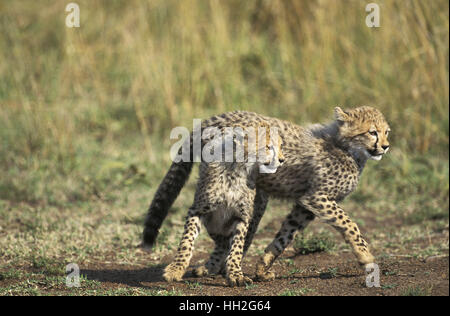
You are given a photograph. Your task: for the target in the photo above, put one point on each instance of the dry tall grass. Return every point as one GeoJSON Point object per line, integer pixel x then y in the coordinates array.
{"type": "Point", "coordinates": [146, 66]}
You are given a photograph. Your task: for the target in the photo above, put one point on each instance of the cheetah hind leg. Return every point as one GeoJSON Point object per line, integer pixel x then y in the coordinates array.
{"type": "Point", "coordinates": [297, 220]}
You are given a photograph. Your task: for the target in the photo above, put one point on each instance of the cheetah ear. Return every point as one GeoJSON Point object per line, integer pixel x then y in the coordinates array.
{"type": "Point", "coordinates": [340, 115]}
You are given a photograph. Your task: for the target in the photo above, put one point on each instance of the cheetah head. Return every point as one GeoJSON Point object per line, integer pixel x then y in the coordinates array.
{"type": "Point", "coordinates": [364, 130]}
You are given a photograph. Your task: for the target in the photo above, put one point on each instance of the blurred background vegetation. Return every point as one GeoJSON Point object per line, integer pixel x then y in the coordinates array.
{"type": "Point", "coordinates": [85, 113]}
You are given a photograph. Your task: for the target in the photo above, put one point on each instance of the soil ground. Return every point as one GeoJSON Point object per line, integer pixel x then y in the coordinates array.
{"type": "Point", "coordinates": [330, 272]}
{"type": "Point", "coordinates": [314, 274]}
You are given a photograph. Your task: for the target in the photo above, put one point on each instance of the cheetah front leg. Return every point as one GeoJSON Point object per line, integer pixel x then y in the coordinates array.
{"type": "Point", "coordinates": [260, 204]}
{"type": "Point", "coordinates": [176, 270]}
{"type": "Point", "coordinates": [330, 212]}
{"type": "Point", "coordinates": [235, 276]}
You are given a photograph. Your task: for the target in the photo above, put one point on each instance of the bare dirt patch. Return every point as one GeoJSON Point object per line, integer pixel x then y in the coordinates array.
{"type": "Point", "coordinates": [314, 274]}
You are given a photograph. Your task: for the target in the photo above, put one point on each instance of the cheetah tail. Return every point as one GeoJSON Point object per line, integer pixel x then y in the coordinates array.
{"type": "Point", "coordinates": [166, 194]}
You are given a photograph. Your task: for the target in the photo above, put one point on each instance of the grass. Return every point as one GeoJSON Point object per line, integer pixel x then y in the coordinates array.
{"type": "Point", "coordinates": [297, 292]}
{"type": "Point", "coordinates": [417, 291]}
{"type": "Point", "coordinates": [11, 274]}
{"type": "Point", "coordinates": [37, 285]}
{"type": "Point", "coordinates": [389, 286]}
{"type": "Point", "coordinates": [316, 243]}
{"type": "Point", "coordinates": [331, 273]}
{"type": "Point", "coordinates": [86, 114]}
{"type": "Point", "coordinates": [194, 285]}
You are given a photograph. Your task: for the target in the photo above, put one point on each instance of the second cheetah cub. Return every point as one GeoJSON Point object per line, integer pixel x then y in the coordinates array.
{"type": "Point", "coordinates": [224, 201]}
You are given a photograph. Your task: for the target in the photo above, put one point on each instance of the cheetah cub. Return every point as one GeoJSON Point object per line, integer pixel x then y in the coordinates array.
{"type": "Point", "coordinates": [224, 201]}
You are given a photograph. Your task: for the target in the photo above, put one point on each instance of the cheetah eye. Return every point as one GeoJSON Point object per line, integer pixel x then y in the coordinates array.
{"type": "Point", "coordinates": [373, 133]}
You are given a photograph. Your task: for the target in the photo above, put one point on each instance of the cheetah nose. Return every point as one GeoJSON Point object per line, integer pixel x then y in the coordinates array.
{"type": "Point", "coordinates": [385, 147]}
{"type": "Point", "coordinates": [281, 160]}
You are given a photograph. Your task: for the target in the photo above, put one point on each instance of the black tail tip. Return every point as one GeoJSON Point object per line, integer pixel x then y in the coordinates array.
{"type": "Point", "coordinates": [149, 238]}
{"type": "Point", "coordinates": [145, 247]}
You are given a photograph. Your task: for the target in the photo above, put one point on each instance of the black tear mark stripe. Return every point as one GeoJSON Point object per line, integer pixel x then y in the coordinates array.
{"type": "Point", "coordinates": [376, 143]}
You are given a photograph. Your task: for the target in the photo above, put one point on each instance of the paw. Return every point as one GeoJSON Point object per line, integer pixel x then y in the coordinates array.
{"type": "Point", "coordinates": [209, 269]}
{"type": "Point", "coordinates": [200, 271]}
{"type": "Point", "coordinates": [263, 275]}
{"type": "Point", "coordinates": [238, 279]}
{"type": "Point", "coordinates": [173, 273]}
{"type": "Point", "coordinates": [365, 258]}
